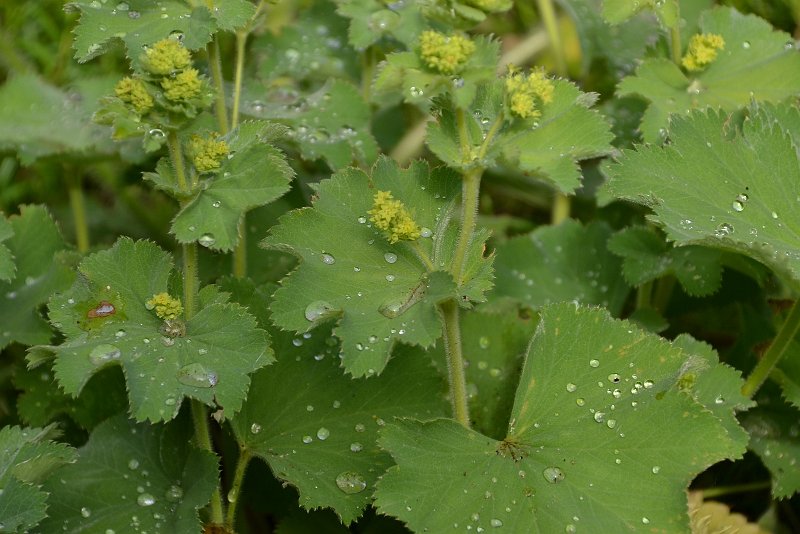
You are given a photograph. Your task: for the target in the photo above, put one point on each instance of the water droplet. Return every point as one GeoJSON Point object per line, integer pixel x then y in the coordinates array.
{"type": "Point", "coordinates": [327, 259]}
{"type": "Point", "coordinates": [232, 495]}
{"type": "Point", "coordinates": [648, 384]}
{"type": "Point", "coordinates": [356, 447]}
{"type": "Point", "coordinates": [174, 493]}
{"type": "Point", "coordinates": [599, 416]}
{"type": "Point", "coordinates": [390, 257]}
{"type": "Point", "coordinates": [496, 523]}
{"type": "Point", "coordinates": [104, 353]}
{"type": "Point", "coordinates": [145, 499]}
{"type": "Point", "coordinates": [307, 439]}
{"type": "Point", "coordinates": [207, 240]}
{"type": "Point", "coordinates": [133, 464]}
{"type": "Point", "coordinates": [425, 232]}
{"type": "Point", "coordinates": [318, 309]}
{"type": "Point", "coordinates": [615, 378]}
{"type": "Point", "coordinates": [645, 521]}
{"type": "Point", "coordinates": [391, 309]}
{"type": "Point", "coordinates": [323, 433]}
{"type": "Point", "coordinates": [123, 6]}
{"type": "Point", "coordinates": [723, 230]}
{"type": "Point", "coordinates": [390, 278]}
{"type": "Point", "coordinates": [570, 529]}
{"type": "Point", "coordinates": [571, 387]}
{"type": "Point", "coordinates": [255, 428]}
{"type": "Point", "coordinates": [580, 401]}
{"type": "Point", "coordinates": [156, 133]}
{"type": "Point", "coordinates": [197, 375]}
{"type": "Point", "coordinates": [719, 400]}
{"type": "Point", "coordinates": [85, 512]}
{"type": "Point", "coordinates": [360, 427]}
{"type": "Point", "coordinates": [553, 474]}
{"type": "Point", "coordinates": [746, 45]}
{"type": "Point", "coordinates": [594, 363]}
{"type": "Point", "coordinates": [216, 204]}
{"type": "Point", "coordinates": [351, 482]}
{"type": "Point", "coordinates": [119, 334]}
{"type": "Point", "coordinates": [416, 92]}
{"type": "Point", "coordinates": [656, 469]}
{"type": "Point", "coordinates": [611, 423]}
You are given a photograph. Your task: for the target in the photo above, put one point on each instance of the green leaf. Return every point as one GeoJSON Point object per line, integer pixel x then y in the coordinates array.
{"type": "Point", "coordinates": [140, 23]}
{"type": "Point", "coordinates": [333, 123]}
{"type": "Point", "coordinates": [569, 262]}
{"type": "Point", "coordinates": [616, 11]}
{"type": "Point", "coordinates": [27, 458]}
{"type": "Point", "coordinates": [720, 187]}
{"type": "Point", "coordinates": [231, 15]}
{"type": "Point", "coordinates": [43, 267]}
{"type": "Point", "coordinates": [757, 63]}
{"type": "Point", "coordinates": [255, 175]}
{"type": "Point", "coordinates": [787, 374]}
{"type": "Point", "coordinates": [210, 362]}
{"type": "Point", "coordinates": [775, 438]}
{"type": "Point", "coordinates": [132, 477]}
{"type": "Point", "coordinates": [374, 20]}
{"type": "Point", "coordinates": [7, 268]}
{"type": "Point", "coordinates": [317, 428]}
{"type": "Point", "coordinates": [39, 120]}
{"type": "Point", "coordinates": [598, 414]}
{"type": "Point", "coordinates": [647, 257]}
{"type": "Point", "coordinates": [381, 293]}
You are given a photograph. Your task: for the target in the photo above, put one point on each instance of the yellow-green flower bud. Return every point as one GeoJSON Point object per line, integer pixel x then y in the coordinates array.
{"type": "Point", "coordinates": [166, 307]}
{"type": "Point", "coordinates": [207, 153]}
{"type": "Point", "coordinates": [527, 94]}
{"type": "Point", "coordinates": [165, 57]}
{"type": "Point", "coordinates": [445, 53]}
{"type": "Point", "coordinates": [183, 86]}
{"type": "Point", "coordinates": [134, 92]}
{"type": "Point", "coordinates": [393, 218]}
{"type": "Point", "coordinates": [702, 51]}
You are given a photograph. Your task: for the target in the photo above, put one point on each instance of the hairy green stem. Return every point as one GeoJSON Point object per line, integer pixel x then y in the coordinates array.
{"type": "Point", "coordinates": [644, 296]}
{"type": "Point", "coordinates": [234, 492]}
{"type": "Point", "coordinates": [176, 156]}
{"type": "Point", "coordinates": [774, 353]}
{"type": "Point", "coordinates": [720, 491]}
{"type": "Point", "coordinates": [463, 134]}
{"type": "Point", "coordinates": [202, 438]}
{"type": "Point", "coordinates": [241, 42]}
{"type": "Point", "coordinates": [219, 85]}
{"type": "Point", "coordinates": [78, 208]}
{"type": "Point", "coordinates": [240, 252]}
{"type": "Point", "coordinates": [561, 208]}
{"type": "Point", "coordinates": [367, 72]}
{"type": "Point", "coordinates": [548, 14]}
{"type": "Point", "coordinates": [449, 314]}
{"type": "Point", "coordinates": [470, 196]}
{"type": "Point", "coordinates": [663, 293]}
{"type": "Point", "coordinates": [675, 42]}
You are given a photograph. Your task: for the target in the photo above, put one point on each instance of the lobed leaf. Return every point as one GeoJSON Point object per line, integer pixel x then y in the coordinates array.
{"type": "Point", "coordinates": [256, 174]}
{"type": "Point", "coordinates": [381, 293]}
{"type": "Point", "coordinates": [592, 421]}
{"type": "Point", "coordinates": [131, 477]}
{"type": "Point", "coordinates": [317, 428]}
{"type": "Point", "coordinates": [210, 362]}
{"type": "Point", "coordinates": [8, 269]}
{"type": "Point", "coordinates": [43, 267]}
{"type": "Point", "coordinates": [616, 11]}
{"type": "Point", "coordinates": [758, 63]}
{"type": "Point", "coordinates": [720, 187]}
{"type": "Point", "coordinates": [569, 262]}
{"type": "Point", "coordinates": [373, 20]}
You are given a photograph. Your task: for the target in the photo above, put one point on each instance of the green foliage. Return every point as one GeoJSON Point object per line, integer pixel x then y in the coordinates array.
{"type": "Point", "coordinates": [207, 357]}
{"type": "Point", "coordinates": [616, 11]}
{"type": "Point", "coordinates": [585, 426]}
{"type": "Point", "coordinates": [757, 63]}
{"type": "Point", "coordinates": [146, 477]}
{"type": "Point", "coordinates": [7, 268]}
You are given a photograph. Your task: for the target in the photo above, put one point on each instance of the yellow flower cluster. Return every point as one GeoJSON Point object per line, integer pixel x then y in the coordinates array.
{"type": "Point", "coordinates": [702, 50]}
{"type": "Point", "coordinates": [182, 87]}
{"type": "Point", "coordinates": [445, 53]}
{"type": "Point", "coordinates": [165, 57]}
{"type": "Point", "coordinates": [134, 92]}
{"type": "Point", "coordinates": [207, 153]}
{"type": "Point", "coordinates": [527, 94]}
{"type": "Point", "coordinates": [393, 218]}
{"type": "Point", "coordinates": [166, 307]}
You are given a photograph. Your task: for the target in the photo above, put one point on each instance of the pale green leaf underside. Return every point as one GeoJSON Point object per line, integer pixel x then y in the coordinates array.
{"type": "Point", "coordinates": [757, 63]}
{"type": "Point", "coordinates": [349, 268]}
{"type": "Point", "coordinates": [568, 262]}
{"type": "Point", "coordinates": [775, 438]}
{"type": "Point", "coordinates": [210, 363]}
{"type": "Point", "coordinates": [132, 478]}
{"type": "Point", "coordinates": [597, 415]}
{"type": "Point", "coordinates": [137, 23]}
{"type": "Point", "coordinates": [42, 269]}
{"type": "Point", "coordinates": [705, 188]}
{"type": "Point", "coordinates": [311, 423]}
{"type": "Point", "coordinates": [255, 175]}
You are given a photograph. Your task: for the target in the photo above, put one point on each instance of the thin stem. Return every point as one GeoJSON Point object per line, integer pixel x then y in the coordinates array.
{"type": "Point", "coordinates": [240, 252]}
{"type": "Point", "coordinates": [644, 296]}
{"type": "Point", "coordinates": [720, 491]}
{"type": "Point", "coordinates": [470, 193]}
{"type": "Point", "coordinates": [663, 293]}
{"type": "Point", "coordinates": [219, 85]}
{"type": "Point", "coordinates": [203, 440]}
{"type": "Point", "coordinates": [774, 353]}
{"type": "Point", "coordinates": [233, 494]}
{"type": "Point", "coordinates": [78, 207]}
{"type": "Point", "coordinates": [421, 255]}
{"type": "Point", "coordinates": [449, 314]}
{"type": "Point", "coordinates": [367, 70]}
{"type": "Point", "coordinates": [176, 155]}
{"type": "Point", "coordinates": [561, 208]}
{"type": "Point", "coordinates": [675, 42]}
{"type": "Point", "coordinates": [411, 143]}
{"type": "Point", "coordinates": [241, 41]}
{"type": "Point", "coordinates": [548, 13]}
{"type": "Point", "coordinates": [190, 279]}
{"type": "Point", "coordinates": [463, 134]}
{"type": "Point", "coordinates": [520, 53]}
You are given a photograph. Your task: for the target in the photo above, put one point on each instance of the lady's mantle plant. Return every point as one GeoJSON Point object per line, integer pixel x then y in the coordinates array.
{"type": "Point", "coordinates": [338, 307]}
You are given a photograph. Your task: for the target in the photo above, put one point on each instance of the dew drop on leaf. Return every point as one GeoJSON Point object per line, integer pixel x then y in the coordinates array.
{"type": "Point", "coordinates": [356, 447]}
{"type": "Point", "coordinates": [350, 482]}
{"type": "Point", "coordinates": [255, 428]}
{"type": "Point", "coordinates": [317, 309]}
{"type": "Point", "coordinates": [197, 375]}
{"type": "Point", "coordinates": [553, 475]}
{"type": "Point", "coordinates": [85, 512]}
{"type": "Point", "coordinates": [327, 259]}
{"type": "Point", "coordinates": [174, 493]}
{"type": "Point", "coordinates": [207, 240]}
{"type": "Point", "coordinates": [145, 499]}
{"type": "Point", "coordinates": [307, 439]}
{"type": "Point", "coordinates": [496, 523]}
{"type": "Point", "coordinates": [425, 232]}
{"type": "Point", "coordinates": [390, 257]}
{"type": "Point", "coordinates": [104, 353]}
{"type": "Point", "coordinates": [323, 433]}
{"type": "Point", "coordinates": [594, 363]}
{"type": "Point", "coordinates": [391, 308]}
{"type": "Point", "coordinates": [571, 387]}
